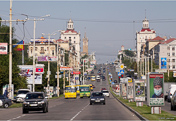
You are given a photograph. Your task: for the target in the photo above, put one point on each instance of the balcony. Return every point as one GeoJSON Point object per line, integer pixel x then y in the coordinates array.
{"type": "Point", "coordinates": [42, 52]}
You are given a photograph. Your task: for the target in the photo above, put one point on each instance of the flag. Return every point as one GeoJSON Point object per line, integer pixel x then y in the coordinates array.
{"type": "Point", "coordinates": [19, 46]}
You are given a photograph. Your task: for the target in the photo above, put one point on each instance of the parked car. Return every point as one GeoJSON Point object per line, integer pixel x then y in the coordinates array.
{"type": "Point", "coordinates": [103, 88]}
{"type": "Point", "coordinates": [98, 77]}
{"type": "Point", "coordinates": [173, 100]}
{"type": "Point", "coordinates": [35, 101]}
{"type": "Point", "coordinates": [21, 95]}
{"type": "Point", "coordinates": [5, 102]}
{"type": "Point", "coordinates": [170, 92]}
{"type": "Point", "coordinates": [105, 93]}
{"type": "Point", "coordinates": [97, 97]}
{"type": "Point", "coordinates": [115, 81]}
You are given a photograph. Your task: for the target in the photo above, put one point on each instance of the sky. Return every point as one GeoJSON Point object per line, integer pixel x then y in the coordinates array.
{"type": "Point", "coordinates": [108, 24]}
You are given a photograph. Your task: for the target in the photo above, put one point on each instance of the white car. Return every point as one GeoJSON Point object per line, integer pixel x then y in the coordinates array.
{"type": "Point", "coordinates": [21, 94]}
{"type": "Point", "coordinates": [105, 93]}
{"type": "Point", "coordinates": [98, 77]}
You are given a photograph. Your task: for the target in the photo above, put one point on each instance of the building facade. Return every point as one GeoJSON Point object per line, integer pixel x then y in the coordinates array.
{"type": "Point", "coordinates": [74, 39]}
{"type": "Point", "coordinates": [142, 36]}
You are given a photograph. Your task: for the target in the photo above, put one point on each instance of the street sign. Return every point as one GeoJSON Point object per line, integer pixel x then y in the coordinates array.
{"type": "Point", "coordinates": [119, 74]}
{"type": "Point", "coordinates": [66, 68]}
{"type": "Point", "coordinates": [122, 66]}
{"type": "Point", "coordinates": [122, 71]}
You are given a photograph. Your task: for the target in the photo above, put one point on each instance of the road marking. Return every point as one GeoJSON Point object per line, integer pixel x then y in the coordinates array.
{"type": "Point", "coordinates": [16, 117]}
{"type": "Point", "coordinates": [78, 113]}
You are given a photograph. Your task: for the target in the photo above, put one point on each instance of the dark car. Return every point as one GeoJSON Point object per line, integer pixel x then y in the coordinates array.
{"type": "Point", "coordinates": [5, 102]}
{"type": "Point", "coordinates": [115, 81]}
{"type": "Point", "coordinates": [103, 78]}
{"type": "Point", "coordinates": [93, 86]}
{"type": "Point", "coordinates": [97, 97]}
{"type": "Point", "coordinates": [35, 101]}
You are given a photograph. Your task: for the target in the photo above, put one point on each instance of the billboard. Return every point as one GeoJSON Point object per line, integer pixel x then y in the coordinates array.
{"type": "Point", "coordinates": [163, 63]}
{"type": "Point", "coordinates": [27, 71]}
{"type": "Point", "coordinates": [66, 68]}
{"type": "Point", "coordinates": [46, 58]}
{"type": "Point", "coordinates": [155, 89]}
{"type": "Point", "coordinates": [124, 89]}
{"type": "Point", "coordinates": [130, 90]}
{"type": "Point", "coordinates": [3, 48]}
{"type": "Point", "coordinates": [139, 90]}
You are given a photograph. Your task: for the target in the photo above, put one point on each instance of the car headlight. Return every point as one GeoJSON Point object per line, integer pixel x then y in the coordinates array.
{"type": "Point", "coordinates": [92, 99]}
{"type": "Point", "coordinates": [42, 102]}
{"type": "Point", "coordinates": [25, 102]}
{"type": "Point", "coordinates": [101, 98]}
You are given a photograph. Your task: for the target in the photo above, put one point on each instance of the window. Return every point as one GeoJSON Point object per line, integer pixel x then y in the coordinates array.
{"type": "Point", "coordinates": [35, 48]}
{"type": "Point", "coordinates": [74, 37]}
{"type": "Point", "coordinates": [65, 37]}
{"type": "Point", "coordinates": [173, 60]}
{"type": "Point", "coordinates": [168, 48]}
{"type": "Point", "coordinates": [53, 52]}
{"type": "Point", "coordinates": [173, 66]}
{"type": "Point", "coordinates": [173, 48]}
{"type": "Point", "coordinates": [74, 41]}
{"type": "Point", "coordinates": [48, 48]}
{"type": "Point", "coordinates": [42, 48]}
{"type": "Point", "coordinates": [173, 54]}
{"type": "Point", "coordinates": [31, 49]}
{"type": "Point", "coordinates": [168, 54]}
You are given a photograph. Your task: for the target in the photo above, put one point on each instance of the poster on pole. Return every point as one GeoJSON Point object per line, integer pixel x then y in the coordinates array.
{"type": "Point", "coordinates": [139, 90]}
{"type": "Point", "coordinates": [163, 63]}
{"type": "Point", "coordinates": [3, 48]}
{"type": "Point", "coordinates": [129, 90]}
{"type": "Point", "coordinates": [155, 89]}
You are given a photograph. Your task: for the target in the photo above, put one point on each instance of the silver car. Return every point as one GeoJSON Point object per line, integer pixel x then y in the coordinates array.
{"type": "Point", "coordinates": [173, 101]}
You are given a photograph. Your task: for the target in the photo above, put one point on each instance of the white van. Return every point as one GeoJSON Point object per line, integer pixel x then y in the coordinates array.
{"type": "Point", "coordinates": [171, 92]}
{"type": "Point", "coordinates": [21, 94]}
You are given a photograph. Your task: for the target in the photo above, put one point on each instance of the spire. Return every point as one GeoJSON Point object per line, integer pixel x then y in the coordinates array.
{"type": "Point", "coordinates": [145, 22]}
{"type": "Point", "coordinates": [70, 25]}
{"type": "Point", "coordinates": [85, 33]}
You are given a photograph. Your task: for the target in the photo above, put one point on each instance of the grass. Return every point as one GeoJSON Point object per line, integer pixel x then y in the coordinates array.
{"type": "Point", "coordinates": [145, 110]}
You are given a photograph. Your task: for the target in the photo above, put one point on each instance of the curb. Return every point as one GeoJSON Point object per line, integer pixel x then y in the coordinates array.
{"type": "Point", "coordinates": [136, 113]}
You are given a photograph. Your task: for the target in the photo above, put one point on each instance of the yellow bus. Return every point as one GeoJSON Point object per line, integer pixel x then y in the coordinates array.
{"type": "Point", "coordinates": [70, 91]}
{"type": "Point", "coordinates": [84, 91]}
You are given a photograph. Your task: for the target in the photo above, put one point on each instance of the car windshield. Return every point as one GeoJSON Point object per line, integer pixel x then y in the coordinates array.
{"type": "Point", "coordinates": [22, 92]}
{"type": "Point", "coordinates": [34, 96]}
{"type": "Point", "coordinates": [70, 89]}
{"type": "Point", "coordinates": [105, 91]}
{"type": "Point", "coordinates": [84, 89]}
{"type": "Point", "coordinates": [96, 94]}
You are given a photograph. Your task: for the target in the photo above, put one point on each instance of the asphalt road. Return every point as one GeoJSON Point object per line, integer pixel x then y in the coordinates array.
{"type": "Point", "coordinates": [74, 109]}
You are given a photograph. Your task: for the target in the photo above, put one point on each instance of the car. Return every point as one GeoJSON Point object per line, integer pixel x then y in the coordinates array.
{"type": "Point", "coordinates": [97, 97]}
{"type": "Point", "coordinates": [173, 100]}
{"type": "Point", "coordinates": [5, 102]}
{"type": "Point", "coordinates": [21, 94]}
{"type": "Point", "coordinates": [98, 80]}
{"type": "Point", "coordinates": [103, 78]}
{"type": "Point", "coordinates": [35, 101]}
{"type": "Point", "coordinates": [93, 86]}
{"type": "Point", "coordinates": [98, 77]}
{"type": "Point", "coordinates": [103, 88]}
{"type": "Point", "coordinates": [115, 81]}
{"type": "Point", "coordinates": [105, 93]}
{"type": "Point", "coordinates": [170, 92]}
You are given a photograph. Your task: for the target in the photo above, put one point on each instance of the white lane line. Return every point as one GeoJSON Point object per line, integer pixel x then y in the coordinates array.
{"type": "Point", "coordinates": [16, 117]}
{"type": "Point", "coordinates": [78, 113]}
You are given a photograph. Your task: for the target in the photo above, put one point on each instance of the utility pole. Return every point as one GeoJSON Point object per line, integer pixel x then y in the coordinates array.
{"type": "Point", "coordinates": [58, 58]}
{"type": "Point", "coordinates": [10, 48]}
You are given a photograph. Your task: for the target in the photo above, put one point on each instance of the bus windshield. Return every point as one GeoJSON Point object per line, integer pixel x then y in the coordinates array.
{"type": "Point", "coordinates": [70, 89]}
{"type": "Point", "coordinates": [84, 89]}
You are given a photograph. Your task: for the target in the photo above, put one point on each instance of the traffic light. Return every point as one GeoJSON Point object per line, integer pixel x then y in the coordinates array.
{"type": "Point", "coordinates": [122, 75]}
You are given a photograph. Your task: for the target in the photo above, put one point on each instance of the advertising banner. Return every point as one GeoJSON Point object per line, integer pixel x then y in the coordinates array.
{"type": "Point", "coordinates": [130, 90]}
{"type": "Point", "coordinates": [46, 58]}
{"type": "Point", "coordinates": [3, 48]}
{"type": "Point", "coordinates": [174, 73]}
{"type": "Point", "coordinates": [124, 89]}
{"type": "Point", "coordinates": [66, 68]}
{"type": "Point", "coordinates": [139, 90]}
{"type": "Point", "coordinates": [163, 63]}
{"type": "Point", "coordinates": [27, 71]}
{"type": "Point", "coordinates": [155, 89]}
{"type": "Point", "coordinates": [118, 88]}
